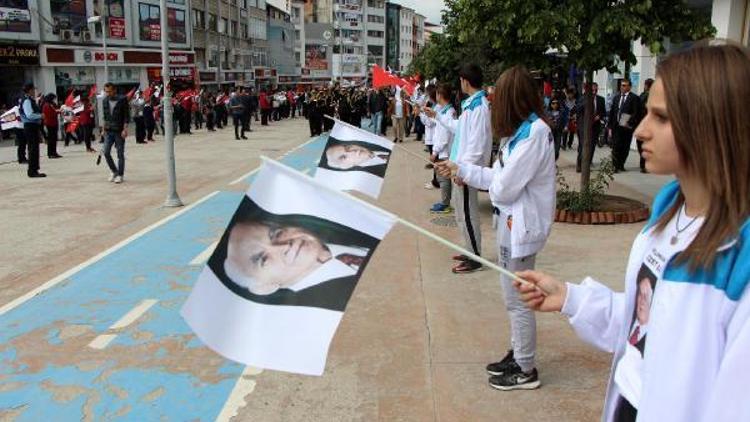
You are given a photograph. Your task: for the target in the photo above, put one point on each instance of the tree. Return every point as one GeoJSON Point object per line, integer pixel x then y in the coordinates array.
{"type": "Point", "coordinates": [590, 34]}
{"type": "Point", "coordinates": [444, 54]}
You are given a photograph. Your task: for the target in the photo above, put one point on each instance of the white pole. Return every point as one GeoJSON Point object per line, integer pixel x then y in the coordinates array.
{"type": "Point", "coordinates": [173, 200]}
{"type": "Point", "coordinates": [105, 18]}
{"type": "Point", "coordinates": [406, 223]}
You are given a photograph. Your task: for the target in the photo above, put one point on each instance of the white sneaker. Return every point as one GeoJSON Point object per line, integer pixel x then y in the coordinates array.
{"type": "Point", "coordinates": [429, 186]}
{"type": "Point", "coordinates": [118, 179]}
{"type": "Point", "coordinates": [112, 177]}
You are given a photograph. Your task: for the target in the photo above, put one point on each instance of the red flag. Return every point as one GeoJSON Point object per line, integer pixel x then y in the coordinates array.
{"type": "Point", "coordinates": [92, 91]}
{"type": "Point", "coordinates": [131, 93]}
{"type": "Point", "coordinates": [381, 78]}
{"type": "Point", "coordinates": [148, 92]}
{"type": "Point", "coordinates": [70, 100]}
{"type": "Point", "coordinates": [72, 126]}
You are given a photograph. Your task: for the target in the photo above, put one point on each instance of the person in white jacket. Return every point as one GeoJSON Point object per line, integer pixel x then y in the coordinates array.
{"type": "Point", "coordinates": [472, 144]}
{"type": "Point", "coordinates": [680, 332]}
{"type": "Point", "coordinates": [442, 138]}
{"type": "Point", "coordinates": [429, 129]}
{"type": "Point", "coordinates": [521, 184]}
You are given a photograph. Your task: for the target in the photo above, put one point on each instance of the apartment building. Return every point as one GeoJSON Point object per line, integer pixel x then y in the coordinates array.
{"type": "Point", "coordinates": [375, 26]}
{"type": "Point", "coordinates": [52, 44]}
{"type": "Point", "coordinates": [229, 40]}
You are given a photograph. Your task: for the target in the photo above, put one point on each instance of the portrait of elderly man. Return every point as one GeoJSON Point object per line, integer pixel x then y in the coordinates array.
{"type": "Point", "coordinates": [355, 156]}
{"type": "Point", "coordinates": [296, 260]}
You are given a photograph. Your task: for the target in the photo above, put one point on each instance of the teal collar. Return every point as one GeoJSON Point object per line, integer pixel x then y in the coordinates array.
{"type": "Point", "coordinates": [477, 95]}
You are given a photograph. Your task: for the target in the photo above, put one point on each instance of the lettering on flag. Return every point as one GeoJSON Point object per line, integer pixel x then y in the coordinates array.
{"type": "Point", "coordinates": [276, 287]}
{"type": "Point", "coordinates": [354, 159]}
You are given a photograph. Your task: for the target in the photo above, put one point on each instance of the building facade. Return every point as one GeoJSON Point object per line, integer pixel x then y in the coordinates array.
{"type": "Point", "coordinates": [350, 44]}
{"type": "Point", "coordinates": [418, 33]}
{"type": "Point", "coordinates": [375, 25]}
{"type": "Point", "coordinates": [54, 45]}
{"type": "Point", "coordinates": [407, 39]}
{"type": "Point", "coordinates": [393, 31]}
{"type": "Point", "coordinates": [228, 44]}
{"type": "Point", "coordinates": [281, 40]}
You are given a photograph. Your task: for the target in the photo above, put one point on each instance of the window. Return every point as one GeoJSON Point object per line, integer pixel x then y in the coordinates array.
{"type": "Point", "coordinates": [234, 29]}
{"type": "Point", "coordinates": [199, 19]}
{"type": "Point", "coordinates": [244, 33]}
{"type": "Point", "coordinates": [375, 34]}
{"type": "Point", "coordinates": [149, 21]}
{"type": "Point", "coordinates": [212, 22]}
{"type": "Point", "coordinates": [66, 17]}
{"type": "Point", "coordinates": [223, 24]}
{"type": "Point", "coordinates": [375, 19]}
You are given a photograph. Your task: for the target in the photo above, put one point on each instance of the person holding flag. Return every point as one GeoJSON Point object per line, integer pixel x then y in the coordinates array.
{"type": "Point", "coordinates": [521, 184]}
{"type": "Point", "coordinates": [472, 145]}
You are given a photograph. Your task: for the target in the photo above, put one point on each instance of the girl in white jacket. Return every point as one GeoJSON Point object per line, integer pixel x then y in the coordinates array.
{"type": "Point", "coordinates": [521, 184]}
{"type": "Point", "coordinates": [680, 333]}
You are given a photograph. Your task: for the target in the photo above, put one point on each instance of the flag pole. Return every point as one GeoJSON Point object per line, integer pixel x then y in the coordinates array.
{"type": "Point", "coordinates": [404, 222]}
{"type": "Point", "coordinates": [406, 150]}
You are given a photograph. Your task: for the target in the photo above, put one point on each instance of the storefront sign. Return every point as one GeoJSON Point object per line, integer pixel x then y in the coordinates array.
{"type": "Point", "coordinates": [17, 55]}
{"type": "Point", "coordinates": [207, 76]}
{"type": "Point", "coordinates": [182, 73]}
{"type": "Point", "coordinates": [316, 57]}
{"type": "Point", "coordinates": [180, 58]}
{"type": "Point", "coordinates": [15, 16]}
{"type": "Point", "coordinates": [97, 56]}
{"type": "Point", "coordinates": [117, 28]}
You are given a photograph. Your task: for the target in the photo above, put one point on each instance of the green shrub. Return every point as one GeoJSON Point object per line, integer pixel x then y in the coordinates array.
{"type": "Point", "coordinates": [588, 199]}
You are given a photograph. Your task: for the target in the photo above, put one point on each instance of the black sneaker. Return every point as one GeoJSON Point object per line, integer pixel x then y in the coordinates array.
{"type": "Point", "coordinates": [498, 368]}
{"type": "Point", "coordinates": [516, 379]}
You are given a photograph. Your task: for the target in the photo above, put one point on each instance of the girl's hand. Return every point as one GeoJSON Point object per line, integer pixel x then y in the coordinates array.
{"type": "Point", "coordinates": [446, 168]}
{"type": "Point", "coordinates": [544, 293]}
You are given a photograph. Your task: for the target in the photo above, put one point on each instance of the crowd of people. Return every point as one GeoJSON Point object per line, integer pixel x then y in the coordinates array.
{"type": "Point", "coordinates": [44, 119]}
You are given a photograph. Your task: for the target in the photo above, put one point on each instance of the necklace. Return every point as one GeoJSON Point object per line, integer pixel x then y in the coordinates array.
{"type": "Point", "coordinates": [675, 238]}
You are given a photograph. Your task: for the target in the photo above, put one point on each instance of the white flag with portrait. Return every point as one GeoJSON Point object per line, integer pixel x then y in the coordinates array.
{"type": "Point", "coordinates": [276, 287]}
{"type": "Point", "coordinates": [11, 119]}
{"type": "Point", "coordinates": [354, 159]}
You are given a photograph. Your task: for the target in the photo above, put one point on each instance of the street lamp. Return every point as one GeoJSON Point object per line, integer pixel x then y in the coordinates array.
{"type": "Point", "coordinates": [93, 20]}
{"type": "Point", "coordinates": [173, 200]}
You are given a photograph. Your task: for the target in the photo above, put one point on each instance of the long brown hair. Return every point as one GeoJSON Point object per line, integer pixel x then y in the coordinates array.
{"type": "Point", "coordinates": [706, 91]}
{"type": "Point", "coordinates": [516, 97]}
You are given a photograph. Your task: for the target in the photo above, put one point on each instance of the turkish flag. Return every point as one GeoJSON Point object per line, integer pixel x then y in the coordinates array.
{"type": "Point", "coordinates": [131, 93]}
{"type": "Point", "coordinates": [92, 91]}
{"type": "Point", "coordinates": [381, 78]}
{"type": "Point", "coordinates": [70, 100]}
{"type": "Point", "coordinates": [73, 125]}
{"type": "Point", "coordinates": [148, 92]}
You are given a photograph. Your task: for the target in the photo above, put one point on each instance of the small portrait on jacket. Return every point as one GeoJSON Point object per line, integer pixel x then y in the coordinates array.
{"type": "Point", "coordinates": [642, 309]}
{"type": "Point", "coordinates": [296, 260]}
{"type": "Point", "coordinates": [352, 155]}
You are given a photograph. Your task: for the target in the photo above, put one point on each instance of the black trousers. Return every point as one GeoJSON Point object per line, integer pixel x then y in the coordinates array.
{"type": "Point", "coordinates": [140, 129]}
{"type": "Point", "coordinates": [239, 128]}
{"type": "Point", "coordinates": [20, 145]}
{"type": "Point", "coordinates": [621, 138]}
{"type": "Point", "coordinates": [264, 116]}
{"type": "Point", "coordinates": [52, 137]}
{"type": "Point", "coordinates": [31, 132]}
{"type": "Point", "coordinates": [198, 119]}
{"type": "Point", "coordinates": [210, 120]}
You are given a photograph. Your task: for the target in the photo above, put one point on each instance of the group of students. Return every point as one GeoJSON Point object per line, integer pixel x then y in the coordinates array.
{"type": "Point", "coordinates": [680, 331]}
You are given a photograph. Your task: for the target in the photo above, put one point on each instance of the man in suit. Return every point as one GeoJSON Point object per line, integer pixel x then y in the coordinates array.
{"type": "Point", "coordinates": [599, 113]}
{"type": "Point", "coordinates": [624, 116]}
{"type": "Point", "coordinates": [274, 263]}
{"type": "Point", "coordinates": [347, 155]}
